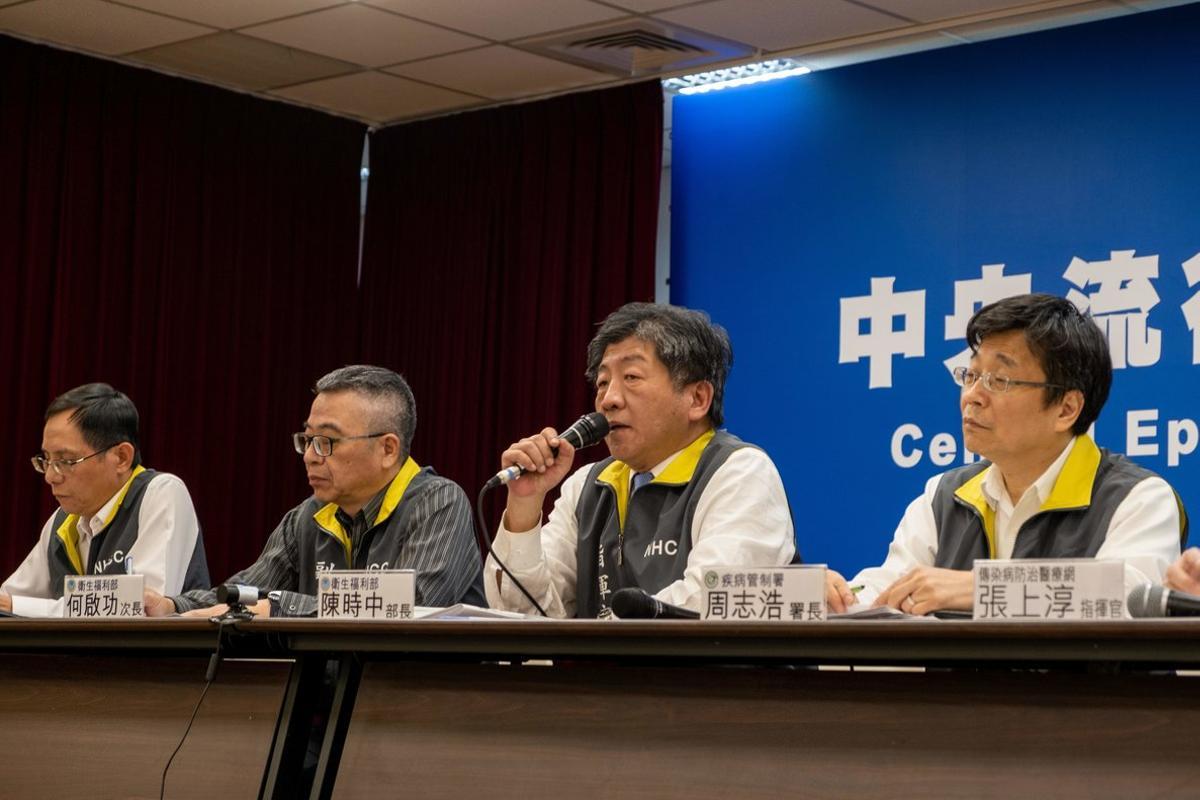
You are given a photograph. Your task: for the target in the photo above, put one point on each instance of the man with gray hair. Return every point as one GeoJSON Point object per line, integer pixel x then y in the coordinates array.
{"type": "Point", "coordinates": [372, 506]}
{"type": "Point", "coordinates": [677, 494]}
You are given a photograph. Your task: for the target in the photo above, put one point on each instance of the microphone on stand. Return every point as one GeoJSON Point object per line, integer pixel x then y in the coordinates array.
{"type": "Point", "coordinates": [1150, 600]}
{"type": "Point", "coordinates": [237, 596]}
{"type": "Point", "coordinates": [634, 603]}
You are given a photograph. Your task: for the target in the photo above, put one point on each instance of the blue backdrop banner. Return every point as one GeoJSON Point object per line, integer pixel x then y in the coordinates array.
{"type": "Point", "coordinates": [845, 225]}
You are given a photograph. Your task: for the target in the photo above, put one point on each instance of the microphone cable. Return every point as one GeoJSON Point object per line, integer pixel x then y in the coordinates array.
{"type": "Point", "coordinates": [209, 676]}
{"type": "Point", "coordinates": [584, 432]}
{"type": "Point", "coordinates": [487, 543]}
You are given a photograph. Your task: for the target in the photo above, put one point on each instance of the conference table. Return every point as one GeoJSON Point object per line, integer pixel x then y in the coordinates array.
{"type": "Point", "coordinates": [455, 708]}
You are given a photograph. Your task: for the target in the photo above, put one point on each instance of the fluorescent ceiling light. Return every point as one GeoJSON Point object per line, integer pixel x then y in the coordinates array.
{"type": "Point", "coordinates": [735, 76]}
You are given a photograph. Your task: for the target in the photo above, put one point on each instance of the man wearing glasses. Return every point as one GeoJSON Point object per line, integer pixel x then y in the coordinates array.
{"type": "Point", "coordinates": [372, 507]}
{"type": "Point", "coordinates": [1039, 374]}
{"type": "Point", "coordinates": [114, 516]}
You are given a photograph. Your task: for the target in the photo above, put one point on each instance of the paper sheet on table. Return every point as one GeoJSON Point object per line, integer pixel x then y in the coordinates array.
{"type": "Point", "coordinates": [467, 611]}
{"type": "Point", "coordinates": [864, 611]}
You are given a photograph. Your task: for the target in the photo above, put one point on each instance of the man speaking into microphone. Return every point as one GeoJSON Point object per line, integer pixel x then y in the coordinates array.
{"type": "Point", "coordinates": [676, 495]}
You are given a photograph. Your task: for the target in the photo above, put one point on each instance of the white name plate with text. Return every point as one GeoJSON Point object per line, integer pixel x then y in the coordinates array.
{"type": "Point", "coordinates": [784, 594]}
{"type": "Point", "coordinates": [1065, 588]}
{"type": "Point", "coordinates": [366, 594]}
{"type": "Point", "coordinates": [95, 596]}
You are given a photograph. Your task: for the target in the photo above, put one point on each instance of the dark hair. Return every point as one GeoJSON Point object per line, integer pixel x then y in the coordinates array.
{"type": "Point", "coordinates": [103, 415]}
{"type": "Point", "coordinates": [397, 411]}
{"type": "Point", "coordinates": [687, 342]}
{"type": "Point", "coordinates": [1069, 346]}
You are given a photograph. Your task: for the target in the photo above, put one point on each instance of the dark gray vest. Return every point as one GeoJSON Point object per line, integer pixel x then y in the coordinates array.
{"type": "Point", "coordinates": [657, 540]}
{"type": "Point", "coordinates": [1075, 532]}
{"type": "Point", "coordinates": [106, 556]}
{"type": "Point", "coordinates": [381, 546]}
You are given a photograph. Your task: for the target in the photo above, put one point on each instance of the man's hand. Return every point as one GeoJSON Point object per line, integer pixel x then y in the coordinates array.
{"type": "Point", "coordinates": [5, 602]}
{"type": "Point", "coordinates": [260, 609]}
{"type": "Point", "coordinates": [837, 592]}
{"type": "Point", "coordinates": [155, 605]}
{"type": "Point", "coordinates": [1184, 574]}
{"type": "Point", "coordinates": [543, 471]}
{"type": "Point", "coordinates": [928, 589]}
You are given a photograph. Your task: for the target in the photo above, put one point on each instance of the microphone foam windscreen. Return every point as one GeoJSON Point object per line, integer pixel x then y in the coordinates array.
{"type": "Point", "coordinates": [1145, 601]}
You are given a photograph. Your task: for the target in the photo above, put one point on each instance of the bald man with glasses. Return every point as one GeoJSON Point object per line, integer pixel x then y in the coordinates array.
{"type": "Point", "coordinates": [115, 516]}
{"type": "Point", "coordinates": [372, 507]}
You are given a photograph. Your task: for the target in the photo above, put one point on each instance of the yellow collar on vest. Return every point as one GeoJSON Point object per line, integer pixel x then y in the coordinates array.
{"type": "Point", "coordinates": [1072, 489]}
{"type": "Point", "coordinates": [677, 473]}
{"type": "Point", "coordinates": [326, 516]}
{"type": "Point", "coordinates": [68, 532]}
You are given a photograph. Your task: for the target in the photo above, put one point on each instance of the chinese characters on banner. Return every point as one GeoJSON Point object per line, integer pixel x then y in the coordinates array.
{"type": "Point", "coordinates": [1119, 294]}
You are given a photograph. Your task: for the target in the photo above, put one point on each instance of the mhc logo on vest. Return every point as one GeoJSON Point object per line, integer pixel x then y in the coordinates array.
{"type": "Point", "coordinates": [661, 547]}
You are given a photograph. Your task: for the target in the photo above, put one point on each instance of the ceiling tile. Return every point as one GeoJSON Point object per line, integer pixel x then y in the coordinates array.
{"type": "Point", "coordinates": [95, 26]}
{"type": "Point", "coordinates": [503, 21]}
{"type": "Point", "coordinates": [645, 6]}
{"type": "Point", "coordinates": [376, 97]}
{"type": "Point", "coordinates": [1150, 5]}
{"type": "Point", "coordinates": [231, 13]}
{"type": "Point", "coordinates": [934, 10]}
{"type": "Point", "coordinates": [363, 35]}
{"type": "Point", "coordinates": [873, 51]}
{"type": "Point", "coordinates": [242, 61]}
{"type": "Point", "coordinates": [1044, 19]}
{"type": "Point", "coordinates": [500, 73]}
{"type": "Point", "coordinates": [782, 24]}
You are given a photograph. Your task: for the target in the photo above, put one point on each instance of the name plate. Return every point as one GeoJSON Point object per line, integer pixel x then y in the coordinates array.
{"type": "Point", "coordinates": [94, 596]}
{"type": "Point", "coordinates": [1066, 588]}
{"type": "Point", "coordinates": [366, 594]}
{"type": "Point", "coordinates": [784, 594]}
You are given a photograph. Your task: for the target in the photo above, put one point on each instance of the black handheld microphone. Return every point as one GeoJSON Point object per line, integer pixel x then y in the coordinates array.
{"type": "Point", "coordinates": [587, 431]}
{"type": "Point", "coordinates": [633, 603]}
{"type": "Point", "coordinates": [1149, 600]}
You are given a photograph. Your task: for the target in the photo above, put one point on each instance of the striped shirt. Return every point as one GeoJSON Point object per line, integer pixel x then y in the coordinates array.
{"type": "Point", "coordinates": [430, 531]}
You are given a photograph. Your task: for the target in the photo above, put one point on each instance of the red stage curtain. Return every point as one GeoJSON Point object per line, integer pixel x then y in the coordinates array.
{"type": "Point", "coordinates": [495, 242]}
{"type": "Point", "coordinates": [196, 248]}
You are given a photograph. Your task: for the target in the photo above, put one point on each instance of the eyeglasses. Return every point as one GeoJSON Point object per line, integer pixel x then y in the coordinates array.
{"type": "Point", "coordinates": [966, 378]}
{"type": "Point", "coordinates": [63, 466]}
{"type": "Point", "coordinates": [323, 445]}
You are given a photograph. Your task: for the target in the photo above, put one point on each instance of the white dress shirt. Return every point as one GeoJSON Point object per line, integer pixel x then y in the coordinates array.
{"type": "Point", "coordinates": [1143, 531]}
{"type": "Point", "coordinates": [167, 531]}
{"type": "Point", "coordinates": [742, 518]}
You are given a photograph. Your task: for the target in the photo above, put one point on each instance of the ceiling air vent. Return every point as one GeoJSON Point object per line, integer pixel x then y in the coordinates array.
{"type": "Point", "coordinates": [637, 48]}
